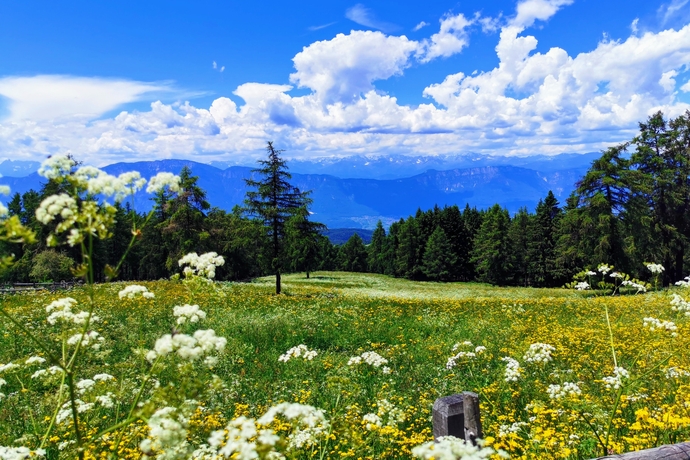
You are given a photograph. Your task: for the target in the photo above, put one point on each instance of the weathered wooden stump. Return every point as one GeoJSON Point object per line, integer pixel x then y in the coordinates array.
{"type": "Point", "coordinates": [457, 415]}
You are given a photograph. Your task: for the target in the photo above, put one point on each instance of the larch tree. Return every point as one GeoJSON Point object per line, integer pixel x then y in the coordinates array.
{"type": "Point", "coordinates": [274, 201]}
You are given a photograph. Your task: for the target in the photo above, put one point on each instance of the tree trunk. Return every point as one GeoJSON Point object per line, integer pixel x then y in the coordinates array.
{"type": "Point", "coordinates": [278, 282]}
{"type": "Point", "coordinates": [307, 275]}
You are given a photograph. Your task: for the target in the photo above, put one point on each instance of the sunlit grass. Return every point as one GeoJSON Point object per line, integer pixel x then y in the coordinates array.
{"type": "Point", "coordinates": [412, 325]}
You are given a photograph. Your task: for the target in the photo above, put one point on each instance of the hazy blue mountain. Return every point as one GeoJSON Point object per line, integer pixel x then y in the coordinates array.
{"type": "Point", "coordinates": [18, 168]}
{"type": "Point", "coordinates": [341, 235]}
{"type": "Point", "coordinates": [360, 203]}
{"type": "Point", "coordinates": [401, 166]}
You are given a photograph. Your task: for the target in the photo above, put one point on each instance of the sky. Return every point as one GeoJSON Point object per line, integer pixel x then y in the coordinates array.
{"type": "Point", "coordinates": [112, 81]}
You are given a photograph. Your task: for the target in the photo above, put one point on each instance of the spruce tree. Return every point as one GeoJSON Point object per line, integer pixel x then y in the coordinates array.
{"type": "Point", "coordinates": [438, 258]}
{"type": "Point", "coordinates": [490, 253]}
{"type": "Point", "coordinates": [376, 248]}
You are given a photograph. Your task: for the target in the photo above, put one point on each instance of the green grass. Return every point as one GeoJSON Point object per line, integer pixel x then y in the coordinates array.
{"type": "Point", "coordinates": [414, 326]}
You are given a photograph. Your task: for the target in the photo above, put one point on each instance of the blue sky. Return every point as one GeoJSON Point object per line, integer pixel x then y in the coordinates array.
{"type": "Point", "coordinates": [126, 81]}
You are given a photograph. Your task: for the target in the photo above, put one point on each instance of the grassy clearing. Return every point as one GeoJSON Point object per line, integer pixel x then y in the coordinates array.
{"type": "Point", "coordinates": [416, 327]}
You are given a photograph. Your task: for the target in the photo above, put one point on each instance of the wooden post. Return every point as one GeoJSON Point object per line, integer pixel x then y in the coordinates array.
{"type": "Point", "coordinates": [457, 415]}
{"type": "Point", "coordinates": [668, 452]}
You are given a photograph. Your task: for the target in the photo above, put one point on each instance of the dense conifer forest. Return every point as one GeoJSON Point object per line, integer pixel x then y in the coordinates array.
{"type": "Point", "coordinates": [631, 207]}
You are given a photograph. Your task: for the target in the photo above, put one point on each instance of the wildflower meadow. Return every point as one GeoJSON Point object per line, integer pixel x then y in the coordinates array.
{"type": "Point", "coordinates": [340, 365]}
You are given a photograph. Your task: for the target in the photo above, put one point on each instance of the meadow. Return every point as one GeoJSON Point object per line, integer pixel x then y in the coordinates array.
{"type": "Point", "coordinates": [377, 351]}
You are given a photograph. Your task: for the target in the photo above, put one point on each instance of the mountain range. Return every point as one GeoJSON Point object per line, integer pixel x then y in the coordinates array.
{"type": "Point", "coordinates": [345, 202]}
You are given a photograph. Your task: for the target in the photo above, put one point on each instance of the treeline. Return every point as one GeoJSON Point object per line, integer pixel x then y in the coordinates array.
{"type": "Point", "coordinates": [632, 207]}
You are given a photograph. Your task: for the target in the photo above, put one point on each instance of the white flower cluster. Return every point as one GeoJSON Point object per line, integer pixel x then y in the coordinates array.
{"type": "Point", "coordinates": [512, 373]}
{"type": "Point", "coordinates": [61, 310]}
{"type": "Point", "coordinates": [201, 265]}
{"type": "Point", "coordinates": [505, 430]}
{"type": "Point", "coordinates": [452, 448]}
{"type": "Point", "coordinates": [56, 166]}
{"type": "Point", "coordinates": [674, 373]}
{"type": "Point", "coordinates": [469, 355]}
{"type": "Point", "coordinates": [368, 357]}
{"type": "Point", "coordinates": [616, 380]}
{"type": "Point", "coordinates": [20, 453]}
{"type": "Point", "coordinates": [685, 282]}
{"type": "Point", "coordinates": [64, 415]}
{"type": "Point", "coordinates": [680, 305]}
{"type": "Point", "coordinates": [539, 353]}
{"type": "Point", "coordinates": [590, 273]}
{"type": "Point", "coordinates": [8, 367]}
{"type": "Point", "coordinates": [372, 421]}
{"type": "Point", "coordinates": [98, 182]}
{"type": "Point", "coordinates": [133, 290]}
{"type": "Point", "coordinates": [61, 205]}
{"type": "Point", "coordinates": [561, 391]}
{"type": "Point", "coordinates": [167, 432]}
{"type": "Point", "coordinates": [654, 324]}
{"type": "Point", "coordinates": [162, 180]}
{"type": "Point", "coordinates": [240, 439]}
{"type": "Point", "coordinates": [52, 370]}
{"type": "Point", "coordinates": [297, 352]}
{"type": "Point", "coordinates": [582, 286]}
{"type": "Point", "coordinates": [35, 360]}
{"type": "Point", "coordinates": [655, 268]}
{"type": "Point", "coordinates": [634, 285]}
{"type": "Point", "coordinates": [188, 347]}
{"type": "Point", "coordinates": [616, 275]}
{"type": "Point", "coordinates": [89, 339]}
{"type": "Point", "coordinates": [604, 268]}
{"type": "Point", "coordinates": [191, 313]}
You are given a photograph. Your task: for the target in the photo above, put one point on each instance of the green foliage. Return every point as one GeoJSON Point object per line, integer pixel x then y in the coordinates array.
{"type": "Point", "coordinates": [51, 265]}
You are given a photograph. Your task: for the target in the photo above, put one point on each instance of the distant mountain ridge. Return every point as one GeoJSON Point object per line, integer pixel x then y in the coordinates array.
{"type": "Point", "coordinates": [360, 203]}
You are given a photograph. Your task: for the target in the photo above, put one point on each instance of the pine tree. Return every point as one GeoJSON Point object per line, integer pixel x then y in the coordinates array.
{"type": "Point", "coordinates": [303, 241]}
{"type": "Point", "coordinates": [273, 201]}
{"type": "Point", "coordinates": [519, 240]}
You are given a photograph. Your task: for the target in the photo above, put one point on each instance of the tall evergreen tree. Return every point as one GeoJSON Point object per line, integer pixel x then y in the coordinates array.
{"type": "Point", "coordinates": [519, 241]}
{"type": "Point", "coordinates": [273, 201]}
{"type": "Point", "coordinates": [541, 256]}
{"type": "Point", "coordinates": [490, 253]}
{"type": "Point", "coordinates": [438, 258]}
{"type": "Point", "coordinates": [353, 255]}
{"type": "Point", "coordinates": [376, 248]}
{"type": "Point", "coordinates": [303, 238]}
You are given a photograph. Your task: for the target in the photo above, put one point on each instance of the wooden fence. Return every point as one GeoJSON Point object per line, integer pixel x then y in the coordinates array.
{"type": "Point", "coordinates": [20, 287]}
{"type": "Point", "coordinates": [458, 415]}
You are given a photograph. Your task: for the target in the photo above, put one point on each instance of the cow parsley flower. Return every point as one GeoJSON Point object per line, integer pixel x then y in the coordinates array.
{"type": "Point", "coordinates": [561, 391]}
{"type": "Point", "coordinates": [513, 369]}
{"type": "Point", "coordinates": [35, 360]}
{"type": "Point", "coordinates": [582, 286]}
{"type": "Point", "coordinates": [202, 265]}
{"type": "Point", "coordinates": [368, 357]}
{"type": "Point", "coordinates": [297, 352]}
{"type": "Point", "coordinates": [20, 453]}
{"type": "Point", "coordinates": [616, 380]}
{"type": "Point", "coordinates": [452, 448]}
{"type": "Point", "coordinates": [56, 166]}
{"type": "Point", "coordinates": [190, 313]}
{"type": "Point", "coordinates": [167, 431]}
{"type": "Point", "coordinates": [133, 290]}
{"type": "Point", "coordinates": [685, 282]}
{"type": "Point", "coordinates": [539, 353]}
{"type": "Point", "coordinates": [680, 305]}
{"type": "Point", "coordinates": [61, 205]}
{"type": "Point", "coordinates": [654, 324]}
{"type": "Point", "coordinates": [162, 180]}
{"type": "Point", "coordinates": [604, 268]}
{"type": "Point", "coordinates": [655, 268]}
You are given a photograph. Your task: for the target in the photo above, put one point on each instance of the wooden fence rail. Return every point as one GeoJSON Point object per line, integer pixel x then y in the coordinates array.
{"type": "Point", "coordinates": [20, 287]}
{"type": "Point", "coordinates": [458, 415]}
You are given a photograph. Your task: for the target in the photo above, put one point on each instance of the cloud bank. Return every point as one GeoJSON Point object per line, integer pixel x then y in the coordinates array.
{"type": "Point", "coordinates": [531, 102]}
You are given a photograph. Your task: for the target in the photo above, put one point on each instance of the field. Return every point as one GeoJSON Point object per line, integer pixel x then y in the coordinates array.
{"type": "Point", "coordinates": [558, 397]}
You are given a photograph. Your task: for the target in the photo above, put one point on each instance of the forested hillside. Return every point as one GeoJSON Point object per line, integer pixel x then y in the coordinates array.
{"type": "Point", "coordinates": [631, 207]}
